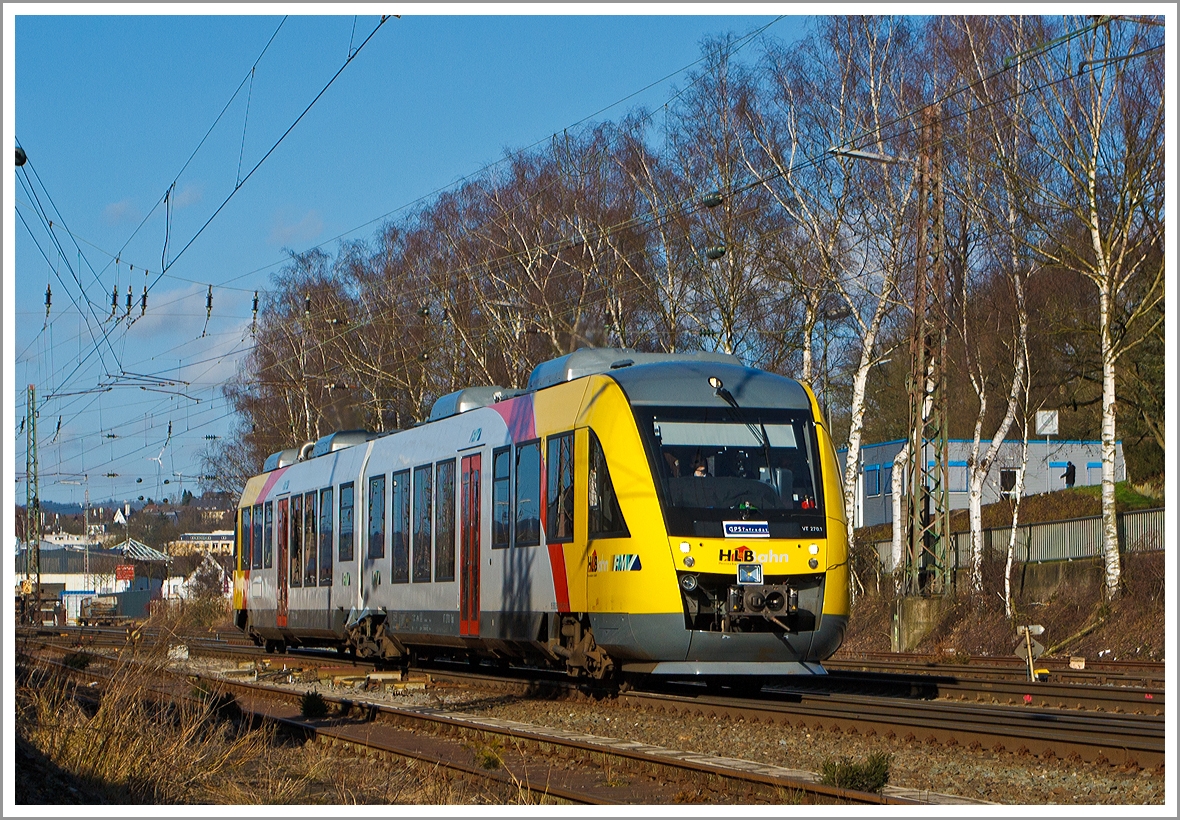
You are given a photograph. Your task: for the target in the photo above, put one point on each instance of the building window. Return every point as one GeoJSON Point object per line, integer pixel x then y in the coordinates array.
{"type": "Point", "coordinates": [873, 480]}
{"type": "Point", "coordinates": [376, 529]}
{"type": "Point", "coordinates": [887, 479]}
{"type": "Point", "coordinates": [605, 518]}
{"type": "Point", "coordinates": [1008, 481]}
{"type": "Point", "coordinates": [400, 529]}
{"type": "Point", "coordinates": [528, 495]}
{"type": "Point", "coordinates": [957, 477]}
{"type": "Point", "coordinates": [345, 552]}
{"type": "Point", "coordinates": [422, 517]}
{"type": "Point", "coordinates": [559, 512]}
{"type": "Point", "coordinates": [501, 498]}
{"type": "Point", "coordinates": [444, 521]}
{"type": "Point", "coordinates": [326, 539]}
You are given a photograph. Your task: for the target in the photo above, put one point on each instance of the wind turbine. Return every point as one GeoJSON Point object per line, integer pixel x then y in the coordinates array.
{"type": "Point", "coordinates": [158, 458]}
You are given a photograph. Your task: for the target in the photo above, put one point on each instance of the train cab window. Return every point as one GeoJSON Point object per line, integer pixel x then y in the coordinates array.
{"type": "Point", "coordinates": [605, 519]}
{"type": "Point", "coordinates": [376, 530]}
{"type": "Point", "coordinates": [345, 551]}
{"type": "Point", "coordinates": [501, 498]}
{"type": "Point", "coordinates": [715, 463]}
{"type": "Point", "coordinates": [326, 537]}
{"type": "Point", "coordinates": [422, 520]}
{"type": "Point", "coordinates": [399, 526]}
{"type": "Point", "coordinates": [310, 553]}
{"type": "Point", "coordinates": [268, 536]}
{"type": "Point", "coordinates": [295, 578]}
{"type": "Point", "coordinates": [528, 495]}
{"type": "Point", "coordinates": [444, 521]}
{"type": "Point", "coordinates": [256, 548]}
{"type": "Point", "coordinates": [245, 531]}
{"type": "Point", "coordinates": [559, 507]}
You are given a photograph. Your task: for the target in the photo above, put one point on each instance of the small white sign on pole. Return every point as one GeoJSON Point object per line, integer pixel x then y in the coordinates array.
{"type": "Point", "coordinates": [1046, 422]}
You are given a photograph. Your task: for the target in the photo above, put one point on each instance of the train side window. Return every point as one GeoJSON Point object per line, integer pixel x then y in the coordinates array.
{"type": "Point", "coordinates": [256, 550]}
{"type": "Point", "coordinates": [268, 536]}
{"type": "Point", "coordinates": [345, 551]}
{"type": "Point", "coordinates": [376, 517]}
{"type": "Point", "coordinates": [295, 577]}
{"type": "Point", "coordinates": [605, 519]}
{"type": "Point", "coordinates": [399, 526]}
{"type": "Point", "coordinates": [310, 551]}
{"type": "Point", "coordinates": [326, 537]}
{"type": "Point", "coordinates": [422, 517]}
{"type": "Point", "coordinates": [444, 521]}
{"type": "Point", "coordinates": [559, 507]}
{"type": "Point", "coordinates": [501, 497]}
{"type": "Point", "coordinates": [244, 533]}
{"type": "Point", "coordinates": [528, 494]}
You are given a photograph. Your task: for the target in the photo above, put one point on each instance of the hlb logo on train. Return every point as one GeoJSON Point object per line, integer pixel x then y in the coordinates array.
{"type": "Point", "coordinates": [739, 555]}
{"type": "Point", "coordinates": [746, 529]}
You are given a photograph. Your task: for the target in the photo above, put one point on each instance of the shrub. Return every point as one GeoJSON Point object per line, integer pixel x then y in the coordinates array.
{"type": "Point", "coordinates": [313, 705]}
{"type": "Point", "coordinates": [866, 776]}
{"type": "Point", "coordinates": [78, 660]}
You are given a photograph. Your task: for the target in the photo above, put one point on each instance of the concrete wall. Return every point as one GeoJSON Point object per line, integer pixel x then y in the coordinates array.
{"type": "Point", "coordinates": [914, 618]}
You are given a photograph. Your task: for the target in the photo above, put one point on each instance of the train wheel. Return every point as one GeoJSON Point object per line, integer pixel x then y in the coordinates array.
{"type": "Point", "coordinates": [269, 645]}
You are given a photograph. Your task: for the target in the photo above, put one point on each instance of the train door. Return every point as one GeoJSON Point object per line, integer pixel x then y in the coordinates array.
{"type": "Point", "coordinates": [282, 533]}
{"type": "Point", "coordinates": [469, 548]}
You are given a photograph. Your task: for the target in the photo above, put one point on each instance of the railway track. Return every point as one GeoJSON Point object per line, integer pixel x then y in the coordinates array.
{"type": "Point", "coordinates": [1120, 725]}
{"type": "Point", "coordinates": [574, 767]}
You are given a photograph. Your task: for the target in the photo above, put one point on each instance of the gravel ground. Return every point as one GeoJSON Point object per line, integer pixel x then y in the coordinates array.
{"type": "Point", "coordinates": [979, 775]}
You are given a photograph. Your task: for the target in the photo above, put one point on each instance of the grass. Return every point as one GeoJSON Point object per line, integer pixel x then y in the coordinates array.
{"type": "Point", "coordinates": [869, 775]}
{"type": "Point", "coordinates": [78, 745]}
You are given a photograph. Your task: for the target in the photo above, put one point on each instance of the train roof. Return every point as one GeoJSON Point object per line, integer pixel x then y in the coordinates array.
{"type": "Point", "coordinates": [686, 383]}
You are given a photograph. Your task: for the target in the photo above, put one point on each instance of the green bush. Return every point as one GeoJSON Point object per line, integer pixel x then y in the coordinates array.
{"type": "Point", "coordinates": [313, 705]}
{"type": "Point", "coordinates": [77, 660]}
{"type": "Point", "coordinates": [868, 776]}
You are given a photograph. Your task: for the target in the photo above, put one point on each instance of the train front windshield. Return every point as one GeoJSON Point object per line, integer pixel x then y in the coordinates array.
{"type": "Point", "coordinates": [720, 464]}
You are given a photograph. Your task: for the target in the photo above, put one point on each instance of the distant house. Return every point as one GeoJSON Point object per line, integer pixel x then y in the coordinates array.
{"type": "Point", "coordinates": [1048, 469]}
{"type": "Point", "coordinates": [219, 542]}
{"type": "Point", "coordinates": [183, 577]}
{"type": "Point", "coordinates": [215, 508]}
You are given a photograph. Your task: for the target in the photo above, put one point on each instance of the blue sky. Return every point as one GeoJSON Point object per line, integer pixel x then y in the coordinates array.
{"type": "Point", "coordinates": [109, 109]}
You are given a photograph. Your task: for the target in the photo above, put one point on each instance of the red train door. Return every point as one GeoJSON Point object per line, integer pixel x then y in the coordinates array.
{"type": "Point", "coordinates": [281, 532]}
{"type": "Point", "coordinates": [469, 548]}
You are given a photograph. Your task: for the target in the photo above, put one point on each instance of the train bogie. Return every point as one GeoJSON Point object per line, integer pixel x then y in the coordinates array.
{"type": "Point", "coordinates": [628, 513]}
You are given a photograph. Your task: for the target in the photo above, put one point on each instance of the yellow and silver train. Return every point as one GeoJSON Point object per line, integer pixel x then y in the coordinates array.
{"type": "Point", "coordinates": [627, 513]}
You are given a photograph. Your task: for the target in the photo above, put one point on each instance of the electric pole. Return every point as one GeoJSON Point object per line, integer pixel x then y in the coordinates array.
{"type": "Point", "coordinates": [928, 569]}
{"type": "Point", "coordinates": [32, 505]}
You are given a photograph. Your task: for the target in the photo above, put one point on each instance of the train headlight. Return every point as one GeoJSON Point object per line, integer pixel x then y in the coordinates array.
{"type": "Point", "coordinates": [813, 563]}
{"type": "Point", "coordinates": [689, 560]}
{"type": "Point", "coordinates": [688, 583]}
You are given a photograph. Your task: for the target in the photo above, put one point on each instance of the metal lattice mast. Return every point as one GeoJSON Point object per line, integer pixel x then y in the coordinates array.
{"type": "Point", "coordinates": [927, 566]}
{"type": "Point", "coordinates": [32, 503]}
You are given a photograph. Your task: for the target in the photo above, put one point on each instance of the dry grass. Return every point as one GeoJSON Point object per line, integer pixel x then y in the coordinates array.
{"type": "Point", "coordinates": [1078, 620]}
{"type": "Point", "coordinates": [75, 746]}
